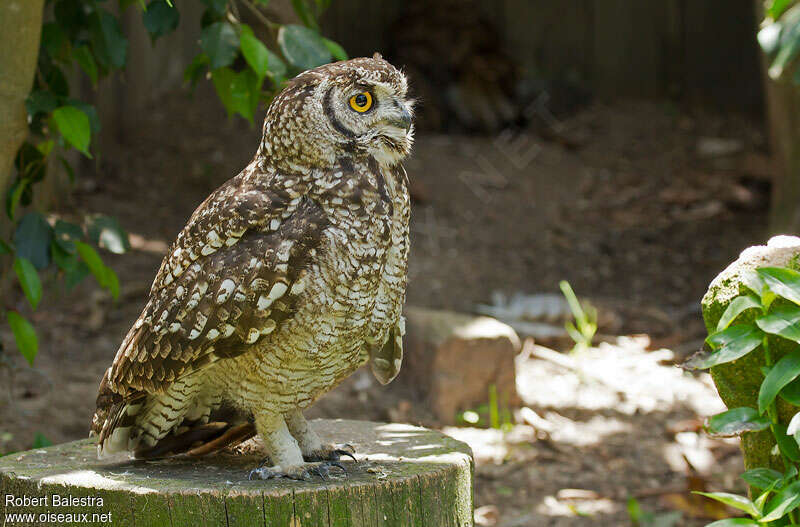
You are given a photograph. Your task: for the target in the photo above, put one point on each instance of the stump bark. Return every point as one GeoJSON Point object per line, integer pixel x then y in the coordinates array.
{"type": "Point", "coordinates": [405, 476]}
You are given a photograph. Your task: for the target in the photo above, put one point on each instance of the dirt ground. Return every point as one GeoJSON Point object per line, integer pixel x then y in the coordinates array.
{"type": "Point", "coordinates": [639, 213]}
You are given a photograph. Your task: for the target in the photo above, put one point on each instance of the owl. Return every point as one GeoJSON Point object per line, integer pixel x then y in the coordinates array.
{"type": "Point", "coordinates": [284, 281]}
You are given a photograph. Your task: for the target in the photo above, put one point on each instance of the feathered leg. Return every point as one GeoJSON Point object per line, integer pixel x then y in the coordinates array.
{"type": "Point", "coordinates": [284, 453]}
{"type": "Point", "coordinates": [310, 444]}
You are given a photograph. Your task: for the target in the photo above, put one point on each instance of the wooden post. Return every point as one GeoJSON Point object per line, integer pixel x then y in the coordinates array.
{"type": "Point", "coordinates": [405, 476]}
{"type": "Point", "coordinates": [783, 127]}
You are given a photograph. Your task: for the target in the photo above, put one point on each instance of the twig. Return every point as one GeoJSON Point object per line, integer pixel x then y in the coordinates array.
{"type": "Point", "coordinates": [272, 26]}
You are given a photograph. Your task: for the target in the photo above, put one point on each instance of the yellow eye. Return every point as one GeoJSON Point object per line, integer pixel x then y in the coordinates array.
{"type": "Point", "coordinates": [361, 102]}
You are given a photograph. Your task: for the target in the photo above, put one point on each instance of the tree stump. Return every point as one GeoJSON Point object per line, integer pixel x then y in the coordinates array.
{"type": "Point", "coordinates": [405, 476]}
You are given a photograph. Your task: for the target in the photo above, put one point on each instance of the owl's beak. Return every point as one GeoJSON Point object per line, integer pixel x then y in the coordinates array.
{"type": "Point", "coordinates": [402, 119]}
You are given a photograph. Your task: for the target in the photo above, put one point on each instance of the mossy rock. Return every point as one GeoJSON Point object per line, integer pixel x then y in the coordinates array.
{"type": "Point", "coordinates": [738, 382]}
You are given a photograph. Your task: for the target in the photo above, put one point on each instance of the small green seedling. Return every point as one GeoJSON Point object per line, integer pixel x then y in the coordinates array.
{"type": "Point", "coordinates": [585, 326]}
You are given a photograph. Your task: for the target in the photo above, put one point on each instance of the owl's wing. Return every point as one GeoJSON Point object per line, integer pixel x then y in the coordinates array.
{"type": "Point", "coordinates": [232, 278]}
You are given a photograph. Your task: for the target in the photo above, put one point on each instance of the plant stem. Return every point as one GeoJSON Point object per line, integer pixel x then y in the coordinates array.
{"type": "Point", "coordinates": [272, 26]}
{"type": "Point", "coordinates": [772, 412]}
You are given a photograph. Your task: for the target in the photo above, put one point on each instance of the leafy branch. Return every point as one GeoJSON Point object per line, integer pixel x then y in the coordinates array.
{"type": "Point", "coordinates": [82, 34]}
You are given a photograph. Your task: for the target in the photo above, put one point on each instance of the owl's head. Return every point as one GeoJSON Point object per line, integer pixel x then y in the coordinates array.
{"type": "Point", "coordinates": [357, 107]}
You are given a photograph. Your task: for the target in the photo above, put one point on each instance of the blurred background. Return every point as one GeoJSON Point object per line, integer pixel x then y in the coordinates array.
{"type": "Point", "coordinates": [630, 149]}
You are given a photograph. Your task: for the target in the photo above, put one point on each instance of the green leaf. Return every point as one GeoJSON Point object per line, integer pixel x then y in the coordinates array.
{"type": "Point", "coordinates": [737, 306]}
{"type": "Point", "coordinates": [761, 478]}
{"type": "Point", "coordinates": [74, 270]}
{"type": "Point", "coordinates": [112, 282]}
{"type": "Point", "coordinates": [254, 51]}
{"type": "Point", "coordinates": [734, 500]}
{"type": "Point", "coordinates": [32, 239]}
{"type": "Point", "coordinates": [781, 281]}
{"type": "Point", "coordinates": [24, 335]}
{"type": "Point", "coordinates": [73, 124]}
{"type": "Point", "coordinates": [239, 92]}
{"type": "Point", "coordinates": [336, 50]}
{"type": "Point", "coordinates": [104, 276]}
{"type": "Point", "coordinates": [786, 444]}
{"type": "Point", "coordinates": [40, 441]}
{"type": "Point", "coordinates": [40, 102]}
{"type": "Point", "coordinates": [303, 47]}
{"type": "Point", "coordinates": [217, 6]}
{"type": "Point", "coordinates": [220, 43]}
{"type": "Point", "coordinates": [86, 61]}
{"type": "Point", "coordinates": [56, 81]}
{"type": "Point", "coordinates": [45, 147]}
{"type": "Point", "coordinates": [75, 275]}
{"type": "Point", "coordinates": [785, 501]}
{"type": "Point", "coordinates": [791, 392]}
{"type": "Point", "coordinates": [753, 281]}
{"type": "Point", "coordinates": [55, 41]}
{"type": "Point", "coordinates": [736, 421]}
{"type": "Point", "coordinates": [733, 522]}
{"type": "Point", "coordinates": [107, 233]}
{"type": "Point", "coordinates": [304, 14]}
{"type": "Point", "coordinates": [71, 16]}
{"type": "Point", "coordinates": [782, 321]}
{"type": "Point", "coordinates": [15, 195]}
{"type": "Point", "coordinates": [789, 48]}
{"type": "Point", "coordinates": [778, 7]}
{"type": "Point", "coordinates": [195, 70]}
{"type": "Point", "coordinates": [30, 162]}
{"type": "Point", "coordinates": [29, 280]}
{"type": "Point", "coordinates": [109, 44]}
{"type": "Point", "coordinates": [90, 111]}
{"type": "Point", "coordinates": [277, 68]}
{"type": "Point", "coordinates": [730, 344]}
{"type": "Point", "coordinates": [634, 510]}
{"type": "Point", "coordinates": [67, 168]}
{"type": "Point", "coordinates": [160, 19]}
{"type": "Point", "coordinates": [782, 373]}
{"type": "Point", "coordinates": [65, 233]}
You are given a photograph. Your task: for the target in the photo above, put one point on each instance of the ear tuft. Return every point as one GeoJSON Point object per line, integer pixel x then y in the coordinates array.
{"type": "Point", "coordinates": [377, 56]}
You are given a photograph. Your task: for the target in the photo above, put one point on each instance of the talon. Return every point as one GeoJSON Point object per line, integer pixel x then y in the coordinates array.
{"type": "Point", "coordinates": [345, 453]}
{"type": "Point", "coordinates": [337, 464]}
{"type": "Point", "coordinates": [332, 453]}
{"type": "Point", "coordinates": [262, 473]}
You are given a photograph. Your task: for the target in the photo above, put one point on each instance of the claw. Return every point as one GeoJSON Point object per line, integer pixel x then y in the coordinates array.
{"type": "Point", "coordinates": [340, 453]}
{"type": "Point", "coordinates": [323, 470]}
{"type": "Point", "coordinates": [333, 453]}
{"type": "Point", "coordinates": [303, 473]}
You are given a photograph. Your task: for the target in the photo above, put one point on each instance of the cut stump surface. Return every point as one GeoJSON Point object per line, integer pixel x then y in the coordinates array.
{"type": "Point", "coordinates": [405, 476]}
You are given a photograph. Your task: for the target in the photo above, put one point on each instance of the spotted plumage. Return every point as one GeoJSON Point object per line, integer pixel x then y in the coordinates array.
{"type": "Point", "coordinates": [284, 281]}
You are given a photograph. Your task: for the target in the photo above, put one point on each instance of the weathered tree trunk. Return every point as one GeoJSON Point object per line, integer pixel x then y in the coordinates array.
{"type": "Point", "coordinates": [783, 118]}
{"type": "Point", "coordinates": [783, 127]}
{"type": "Point", "coordinates": [405, 476]}
{"type": "Point", "coordinates": [20, 28]}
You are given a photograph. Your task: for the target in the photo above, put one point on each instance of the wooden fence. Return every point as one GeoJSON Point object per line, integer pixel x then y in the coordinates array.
{"type": "Point", "coordinates": [700, 51]}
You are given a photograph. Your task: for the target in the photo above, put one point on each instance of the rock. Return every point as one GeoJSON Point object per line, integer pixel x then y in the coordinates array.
{"type": "Point", "coordinates": [738, 382]}
{"type": "Point", "coordinates": [709, 147]}
{"type": "Point", "coordinates": [452, 359]}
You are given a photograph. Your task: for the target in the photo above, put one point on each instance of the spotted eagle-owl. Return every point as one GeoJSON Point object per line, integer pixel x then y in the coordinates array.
{"type": "Point", "coordinates": [285, 280]}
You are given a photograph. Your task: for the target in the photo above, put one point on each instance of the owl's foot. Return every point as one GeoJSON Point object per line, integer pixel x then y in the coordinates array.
{"type": "Point", "coordinates": [299, 472]}
{"type": "Point", "coordinates": [331, 453]}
